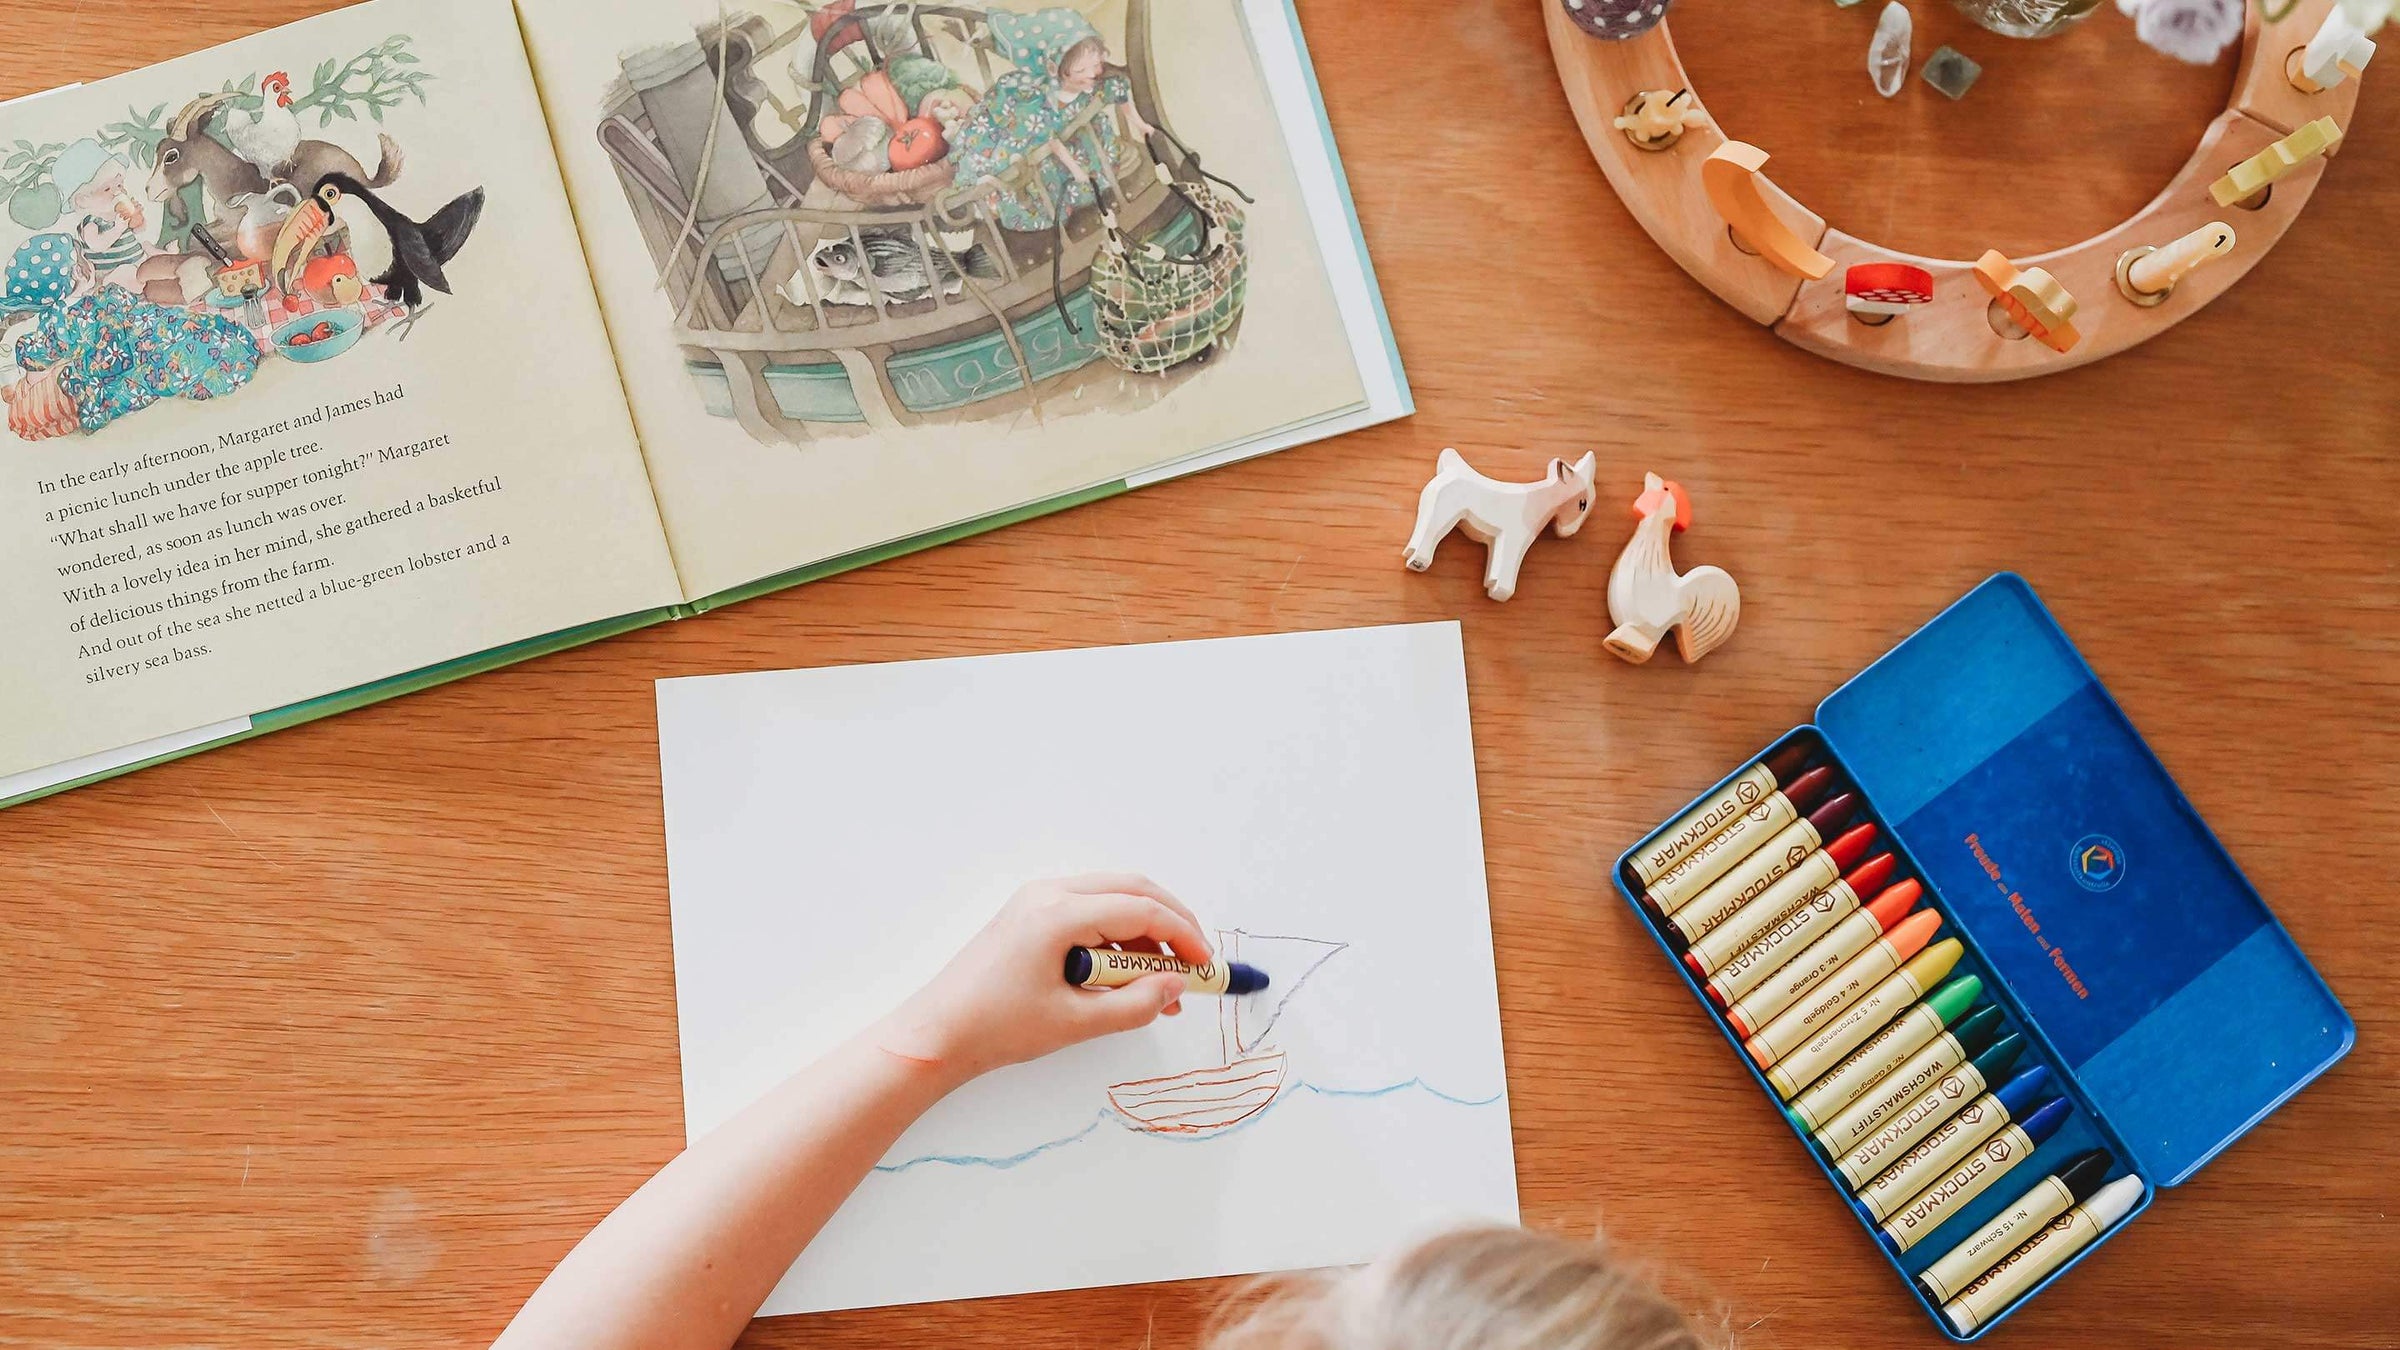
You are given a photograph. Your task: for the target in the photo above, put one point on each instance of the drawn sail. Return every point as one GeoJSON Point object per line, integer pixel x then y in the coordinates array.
{"type": "Point", "coordinates": [1249, 1072]}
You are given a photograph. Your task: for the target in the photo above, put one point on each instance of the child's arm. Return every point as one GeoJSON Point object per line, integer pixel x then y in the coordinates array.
{"type": "Point", "coordinates": [687, 1260]}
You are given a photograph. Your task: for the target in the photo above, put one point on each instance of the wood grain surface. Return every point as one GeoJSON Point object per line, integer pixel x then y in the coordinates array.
{"type": "Point", "coordinates": [343, 1036]}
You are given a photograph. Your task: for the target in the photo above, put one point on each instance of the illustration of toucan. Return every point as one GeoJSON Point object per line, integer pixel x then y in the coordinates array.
{"type": "Point", "coordinates": [418, 249]}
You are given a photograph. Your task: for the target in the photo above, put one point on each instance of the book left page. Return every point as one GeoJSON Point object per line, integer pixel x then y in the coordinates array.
{"type": "Point", "coordinates": [305, 382]}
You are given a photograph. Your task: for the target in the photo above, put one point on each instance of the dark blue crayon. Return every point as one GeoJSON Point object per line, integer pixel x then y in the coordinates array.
{"type": "Point", "coordinates": [1108, 968]}
{"type": "Point", "coordinates": [1932, 1157]}
{"type": "Point", "coordinates": [1971, 1177]}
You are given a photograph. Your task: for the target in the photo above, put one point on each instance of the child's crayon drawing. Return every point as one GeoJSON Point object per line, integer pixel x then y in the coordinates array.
{"type": "Point", "coordinates": [1247, 1078]}
{"type": "Point", "coordinates": [1110, 1116]}
{"type": "Point", "coordinates": [1249, 1074]}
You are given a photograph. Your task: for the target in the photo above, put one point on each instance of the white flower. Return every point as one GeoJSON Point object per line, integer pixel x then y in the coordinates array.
{"type": "Point", "coordinates": [2368, 15]}
{"type": "Point", "coordinates": [2189, 30]}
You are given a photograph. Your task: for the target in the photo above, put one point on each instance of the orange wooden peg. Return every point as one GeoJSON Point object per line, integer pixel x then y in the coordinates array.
{"type": "Point", "coordinates": [1730, 176]}
{"type": "Point", "coordinates": [2032, 298]}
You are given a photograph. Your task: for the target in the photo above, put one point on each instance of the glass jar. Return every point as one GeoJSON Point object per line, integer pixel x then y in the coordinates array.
{"type": "Point", "coordinates": [2027, 18]}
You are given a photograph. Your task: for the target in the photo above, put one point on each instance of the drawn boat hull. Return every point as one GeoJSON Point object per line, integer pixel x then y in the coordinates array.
{"type": "Point", "coordinates": [1202, 1102]}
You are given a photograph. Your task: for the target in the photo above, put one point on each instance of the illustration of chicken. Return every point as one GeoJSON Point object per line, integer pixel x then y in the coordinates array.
{"type": "Point", "coordinates": [1645, 595]}
{"type": "Point", "coordinates": [270, 136]}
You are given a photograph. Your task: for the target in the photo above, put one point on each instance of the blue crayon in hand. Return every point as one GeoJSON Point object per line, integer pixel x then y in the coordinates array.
{"type": "Point", "coordinates": [1108, 968]}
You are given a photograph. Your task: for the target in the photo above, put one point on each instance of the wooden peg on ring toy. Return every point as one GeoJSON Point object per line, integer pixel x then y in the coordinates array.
{"type": "Point", "coordinates": [2339, 51]}
{"type": "Point", "coordinates": [2030, 300]}
{"type": "Point", "coordinates": [1504, 517]}
{"type": "Point", "coordinates": [1655, 119]}
{"type": "Point", "coordinates": [2258, 173]}
{"type": "Point", "coordinates": [1645, 596]}
{"type": "Point", "coordinates": [2145, 275]}
{"type": "Point", "coordinates": [1877, 293]}
{"type": "Point", "coordinates": [1730, 176]}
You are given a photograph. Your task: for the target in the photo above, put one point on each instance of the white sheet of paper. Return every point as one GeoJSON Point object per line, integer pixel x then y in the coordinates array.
{"type": "Point", "coordinates": [834, 835]}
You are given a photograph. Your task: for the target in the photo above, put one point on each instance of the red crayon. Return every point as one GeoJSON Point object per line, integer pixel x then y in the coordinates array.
{"type": "Point", "coordinates": [1741, 837]}
{"type": "Point", "coordinates": [1775, 948]}
{"type": "Point", "coordinates": [1812, 961]}
{"type": "Point", "coordinates": [1828, 995]}
{"type": "Point", "coordinates": [1715, 927]}
{"type": "Point", "coordinates": [1794, 864]}
{"type": "Point", "coordinates": [1775, 970]}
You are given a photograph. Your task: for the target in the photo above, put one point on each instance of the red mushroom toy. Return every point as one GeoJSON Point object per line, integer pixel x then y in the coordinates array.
{"type": "Point", "coordinates": [1878, 293]}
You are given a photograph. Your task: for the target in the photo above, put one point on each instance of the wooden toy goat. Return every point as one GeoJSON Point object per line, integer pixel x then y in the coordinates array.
{"type": "Point", "coordinates": [1646, 597]}
{"type": "Point", "coordinates": [1505, 517]}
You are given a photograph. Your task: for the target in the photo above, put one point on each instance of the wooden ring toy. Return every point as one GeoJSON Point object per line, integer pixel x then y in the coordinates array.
{"type": "Point", "coordinates": [1708, 202]}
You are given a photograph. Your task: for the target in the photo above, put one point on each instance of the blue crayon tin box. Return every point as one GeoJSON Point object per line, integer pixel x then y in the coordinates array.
{"type": "Point", "coordinates": [2099, 912]}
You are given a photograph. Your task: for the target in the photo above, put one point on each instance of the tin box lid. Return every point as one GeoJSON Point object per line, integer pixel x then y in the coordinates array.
{"type": "Point", "coordinates": [2068, 856]}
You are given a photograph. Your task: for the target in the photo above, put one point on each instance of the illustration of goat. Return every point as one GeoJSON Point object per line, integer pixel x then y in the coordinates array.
{"type": "Point", "coordinates": [1505, 517]}
{"type": "Point", "coordinates": [190, 153]}
{"type": "Point", "coordinates": [1646, 597]}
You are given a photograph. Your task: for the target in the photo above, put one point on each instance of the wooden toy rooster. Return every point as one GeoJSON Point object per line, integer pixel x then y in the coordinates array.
{"type": "Point", "coordinates": [1505, 517]}
{"type": "Point", "coordinates": [1646, 597]}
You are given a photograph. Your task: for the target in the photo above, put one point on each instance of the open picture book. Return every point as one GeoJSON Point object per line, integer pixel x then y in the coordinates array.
{"type": "Point", "coordinates": [427, 335]}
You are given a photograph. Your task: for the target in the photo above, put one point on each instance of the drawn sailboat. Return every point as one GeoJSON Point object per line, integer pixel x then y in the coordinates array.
{"type": "Point", "coordinates": [1249, 1070]}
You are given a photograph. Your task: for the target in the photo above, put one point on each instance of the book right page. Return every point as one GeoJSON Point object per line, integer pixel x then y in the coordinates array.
{"type": "Point", "coordinates": [832, 243]}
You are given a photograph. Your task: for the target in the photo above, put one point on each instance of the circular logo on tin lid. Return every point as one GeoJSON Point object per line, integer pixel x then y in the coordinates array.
{"type": "Point", "coordinates": [2097, 862]}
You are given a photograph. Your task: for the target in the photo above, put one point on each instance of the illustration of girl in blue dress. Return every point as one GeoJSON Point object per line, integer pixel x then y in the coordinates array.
{"type": "Point", "coordinates": [1061, 69]}
{"type": "Point", "coordinates": [99, 352]}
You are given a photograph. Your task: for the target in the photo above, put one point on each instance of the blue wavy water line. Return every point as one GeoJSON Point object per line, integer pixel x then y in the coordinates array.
{"type": "Point", "coordinates": [1000, 1163]}
{"type": "Point", "coordinates": [1104, 1116]}
{"type": "Point", "coordinates": [1418, 1083]}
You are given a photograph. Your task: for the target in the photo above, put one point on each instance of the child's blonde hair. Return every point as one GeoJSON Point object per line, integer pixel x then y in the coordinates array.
{"type": "Point", "coordinates": [1474, 1289]}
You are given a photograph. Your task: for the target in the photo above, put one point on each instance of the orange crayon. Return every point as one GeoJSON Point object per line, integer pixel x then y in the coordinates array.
{"type": "Point", "coordinates": [1790, 1029]}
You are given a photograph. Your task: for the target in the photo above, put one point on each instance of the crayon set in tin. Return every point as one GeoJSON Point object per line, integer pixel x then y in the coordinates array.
{"type": "Point", "coordinates": [1960, 929]}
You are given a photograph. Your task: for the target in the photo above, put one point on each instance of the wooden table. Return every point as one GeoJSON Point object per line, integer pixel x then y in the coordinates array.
{"type": "Point", "coordinates": [343, 1036]}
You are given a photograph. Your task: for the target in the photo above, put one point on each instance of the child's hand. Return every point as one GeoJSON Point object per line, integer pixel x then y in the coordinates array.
{"type": "Point", "coordinates": [1004, 999]}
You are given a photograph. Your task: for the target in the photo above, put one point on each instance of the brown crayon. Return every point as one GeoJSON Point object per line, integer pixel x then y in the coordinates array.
{"type": "Point", "coordinates": [1716, 855]}
{"type": "Point", "coordinates": [1694, 827]}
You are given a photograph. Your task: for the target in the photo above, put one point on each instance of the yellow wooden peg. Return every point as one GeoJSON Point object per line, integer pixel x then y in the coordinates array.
{"type": "Point", "coordinates": [1730, 176]}
{"type": "Point", "coordinates": [2255, 174]}
{"type": "Point", "coordinates": [2146, 274]}
{"type": "Point", "coordinates": [2032, 299]}
{"type": "Point", "coordinates": [1656, 118]}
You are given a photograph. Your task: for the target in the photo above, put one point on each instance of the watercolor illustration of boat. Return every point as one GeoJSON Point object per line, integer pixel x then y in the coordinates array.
{"type": "Point", "coordinates": [1248, 1071]}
